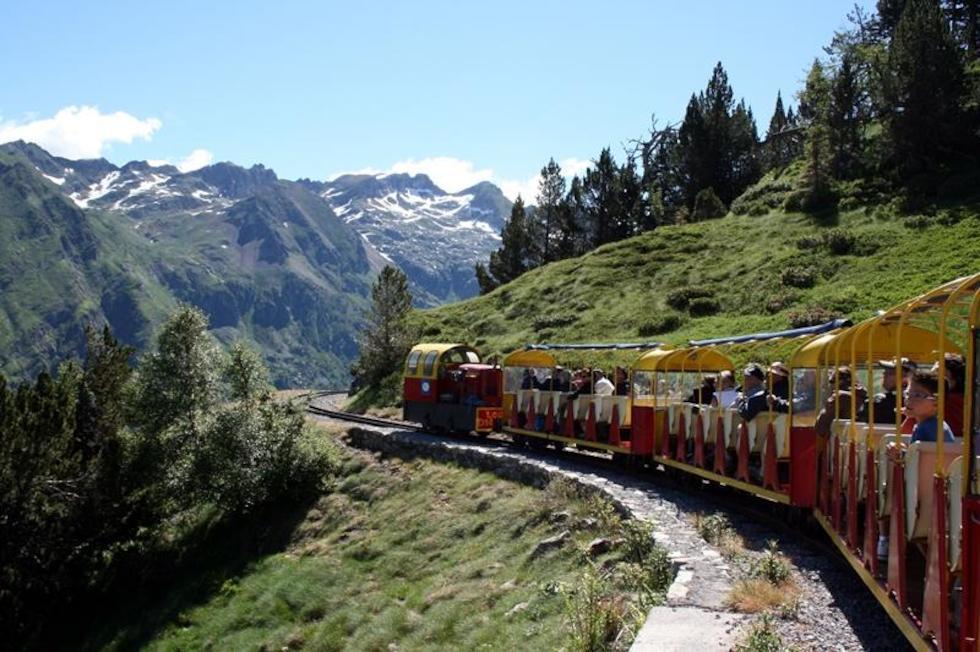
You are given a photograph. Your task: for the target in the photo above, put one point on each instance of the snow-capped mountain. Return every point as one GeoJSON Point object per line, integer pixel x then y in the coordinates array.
{"type": "Point", "coordinates": [436, 237]}
{"type": "Point", "coordinates": [264, 258]}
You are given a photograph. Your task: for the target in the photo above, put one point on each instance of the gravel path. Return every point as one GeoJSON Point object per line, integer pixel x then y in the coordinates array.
{"type": "Point", "coordinates": [835, 612]}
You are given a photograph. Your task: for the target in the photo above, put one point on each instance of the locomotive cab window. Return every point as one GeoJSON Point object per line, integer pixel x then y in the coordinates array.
{"type": "Point", "coordinates": [413, 362]}
{"type": "Point", "coordinates": [429, 363]}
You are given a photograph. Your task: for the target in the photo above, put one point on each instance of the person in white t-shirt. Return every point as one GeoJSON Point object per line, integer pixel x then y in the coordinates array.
{"type": "Point", "coordinates": [603, 386]}
{"type": "Point", "coordinates": [726, 393]}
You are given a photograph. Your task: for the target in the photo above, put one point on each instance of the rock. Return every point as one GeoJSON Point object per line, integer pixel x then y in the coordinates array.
{"type": "Point", "coordinates": [551, 543]}
{"type": "Point", "coordinates": [516, 609]}
{"type": "Point", "coordinates": [560, 517]}
{"type": "Point", "coordinates": [508, 585]}
{"type": "Point", "coordinates": [588, 523]}
{"type": "Point", "coordinates": [599, 546]}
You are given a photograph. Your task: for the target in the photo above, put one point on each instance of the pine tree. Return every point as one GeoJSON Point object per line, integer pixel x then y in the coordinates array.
{"type": "Point", "coordinates": [814, 109]}
{"type": "Point", "coordinates": [551, 192]}
{"type": "Point", "coordinates": [889, 14]}
{"type": "Point", "coordinates": [600, 191]}
{"type": "Point", "coordinates": [576, 234]}
{"type": "Point", "coordinates": [844, 118]}
{"type": "Point", "coordinates": [630, 201]}
{"type": "Point", "coordinates": [744, 163]}
{"type": "Point", "coordinates": [386, 337]}
{"type": "Point", "coordinates": [107, 374]}
{"type": "Point", "coordinates": [513, 257]}
{"type": "Point", "coordinates": [775, 155]}
{"type": "Point", "coordinates": [925, 84]}
{"type": "Point", "coordinates": [718, 142]}
{"type": "Point", "coordinates": [484, 280]}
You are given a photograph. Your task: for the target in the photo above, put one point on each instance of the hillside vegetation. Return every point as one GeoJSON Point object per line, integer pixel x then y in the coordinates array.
{"type": "Point", "coordinates": [727, 276]}
{"type": "Point", "coordinates": [462, 570]}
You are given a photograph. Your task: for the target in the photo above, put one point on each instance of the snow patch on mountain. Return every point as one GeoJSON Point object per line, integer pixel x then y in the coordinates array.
{"type": "Point", "coordinates": [435, 236]}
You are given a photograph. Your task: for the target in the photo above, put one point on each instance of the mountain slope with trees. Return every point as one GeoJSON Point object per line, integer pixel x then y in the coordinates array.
{"type": "Point", "coordinates": [731, 275]}
{"type": "Point", "coordinates": [889, 114]}
{"type": "Point", "coordinates": [87, 242]}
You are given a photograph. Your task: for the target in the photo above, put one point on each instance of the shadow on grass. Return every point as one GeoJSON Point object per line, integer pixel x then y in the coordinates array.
{"type": "Point", "coordinates": [146, 597]}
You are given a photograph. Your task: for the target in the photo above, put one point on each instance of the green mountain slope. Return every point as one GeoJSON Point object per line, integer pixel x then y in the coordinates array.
{"type": "Point", "coordinates": [755, 272]}
{"type": "Point", "coordinates": [267, 260]}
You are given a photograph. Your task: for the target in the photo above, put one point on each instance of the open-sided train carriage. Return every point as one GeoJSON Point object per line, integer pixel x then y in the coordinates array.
{"type": "Point", "coordinates": [771, 455]}
{"type": "Point", "coordinates": [447, 387]}
{"type": "Point", "coordinates": [875, 482]}
{"type": "Point", "coordinates": [825, 448]}
{"type": "Point", "coordinates": [543, 413]}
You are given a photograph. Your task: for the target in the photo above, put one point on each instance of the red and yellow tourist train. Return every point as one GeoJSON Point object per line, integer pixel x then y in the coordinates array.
{"type": "Point", "coordinates": [873, 428]}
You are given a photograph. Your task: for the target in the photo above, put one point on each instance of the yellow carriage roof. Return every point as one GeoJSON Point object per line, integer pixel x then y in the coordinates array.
{"type": "Point", "coordinates": [688, 359]}
{"type": "Point", "coordinates": [440, 347]}
{"type": "Point", "coordinates": [532, 358]}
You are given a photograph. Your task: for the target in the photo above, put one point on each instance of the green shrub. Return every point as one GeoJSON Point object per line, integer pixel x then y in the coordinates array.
{"type": "Point", "coordinates": [714, 527]}
{"type": "Point", "coordinates": [809, 242]}
{"type": "Point", "coordinates": [594, 614]}
{"type": "Point", "coordinates": [763, 637]}
{"type": "Point", "coordinates": [703, 306]}
{"type": "Point", "coordinates": [772, 566]}
{"type": "Point", "coordinates": [663, 323]}
{"type": "Point", "coordinates": [839, 242]}
{"type": "Point", "coordinates": [779, 302]}
{"type": "Point", "coordinates": [637, 539]}
{"type": "Point", "coordinates": [707, 206]}
{"type": "Point", "coordinates": [812, 316]}
{"type": "Point", "coordinates": [681, 297]}
{"type": "Point", "coordinates": [798, 277]}
{"type": "Point", "coordinates": [604, 512]}
{"type": "Point", "coordinates": [763, 197]}
{"type": "Point", "coordinates": [553, 321]}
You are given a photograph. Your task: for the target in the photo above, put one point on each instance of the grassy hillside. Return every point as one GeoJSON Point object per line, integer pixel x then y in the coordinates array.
{"type": "Point", "coordinates": [401, 555]}
{"type": "Point", "coordinates": [754, 272]}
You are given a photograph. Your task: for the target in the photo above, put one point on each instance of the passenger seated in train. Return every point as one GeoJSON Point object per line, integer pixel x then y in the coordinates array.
{"type": "Point", "coordinates": [955, 382]}
{"type": "Point", "coordinates": [528, 381]}
{"type": "Point", "coordinates": [886, 400]}
{"type": "Point", "coordinates": [603, 386]}
{"type": "Point", "coordinates": [752, 400]}
{"type": "Point", "coordinates": [622, 382]}
{"type": "Point", "coordinates": [726, 393]}
{"type": "Point", "coordinates": [779, 396]}
{"type": "Point", "coordinates": [581, 383]}
{"type": "Point", "coordinates": [841, 397]}
{"type": "Point", "coordinates": [562, 380]}
{"type": "Point", "coordinates": [922, 405]}
{"type": "Point", "coordinates": [704, 394]}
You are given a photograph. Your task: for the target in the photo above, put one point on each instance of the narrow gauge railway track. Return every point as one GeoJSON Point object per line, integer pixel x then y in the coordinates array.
{"type": "Point", "coordinates": [769, 513]}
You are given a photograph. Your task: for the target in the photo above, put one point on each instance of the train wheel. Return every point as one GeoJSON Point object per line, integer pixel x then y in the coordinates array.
{"type": "Point", "coordinates": [519, 440]}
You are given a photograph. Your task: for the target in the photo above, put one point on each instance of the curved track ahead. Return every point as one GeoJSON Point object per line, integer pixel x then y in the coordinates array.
{"type": "Point", "coordinates": [772, 514]}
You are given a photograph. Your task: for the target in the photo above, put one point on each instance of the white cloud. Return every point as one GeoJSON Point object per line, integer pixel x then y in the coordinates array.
{"type": "Point", "coordinates": [450, 174]}
{"type": "Point", "coordinates": [195, 160]}
{"type": "Point", "coordinates": [80, 131]}
{"type": "Point", "coordinates": [453, 174]}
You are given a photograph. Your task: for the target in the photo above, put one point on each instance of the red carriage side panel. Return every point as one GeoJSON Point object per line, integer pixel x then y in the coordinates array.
{"type": "Point", "coordinates": [642, 430]}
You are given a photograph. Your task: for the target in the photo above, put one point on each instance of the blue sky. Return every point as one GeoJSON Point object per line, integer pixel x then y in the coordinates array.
{"type": "Point", "coordinates": [466, 91]}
